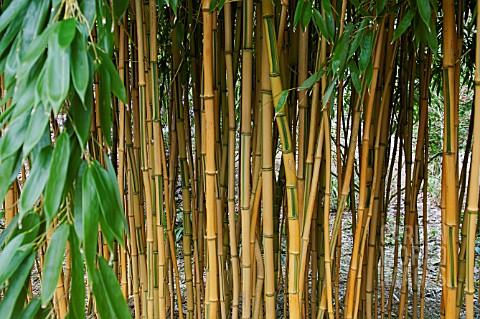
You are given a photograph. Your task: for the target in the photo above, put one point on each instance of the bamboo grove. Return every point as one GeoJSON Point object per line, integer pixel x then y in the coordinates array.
{"type": "Point", "coordinates": [238, 159]}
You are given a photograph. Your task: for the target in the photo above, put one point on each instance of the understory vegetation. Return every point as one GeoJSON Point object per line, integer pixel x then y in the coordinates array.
{"type": "Point", "coordinates": [227, 159]}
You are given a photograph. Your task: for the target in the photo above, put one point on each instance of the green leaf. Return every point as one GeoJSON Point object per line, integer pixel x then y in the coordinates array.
{"type": "Point", "coordinates": [105, 106]}
{"type": "Point", "coordinates": [328, 92]}
{"type": "Point", "coordinates": [81, 114]}
{"type": "Point", "coordinates": [54, 189]}
{"type": "Point", "coordinates": [425, 12]}
{"type": "Point", "coordinates": [358, 38]}
{"type": "Point", "coordinates": [307, 14]}
{"type": "Point", "coordinates": [31, 310]}
{"type": "Point", "coordinates": [36, 127]}
{"type": "Point", "coordinates": [53, 262]}
{"type": "Point", "coordinates": [9, 169]}
{"type": "Point", "coordinates": [78, 204]}
{"type": "Point", "coordinates": [12, 256]}
{"type": "Point", "coordinates": [330, 22]}
{"type": "Point", "coordinates": [79, 67]}
{"type": "Point", "coordinates": [88, 10]}
{"type": "Point", "coordinates": [320, 23]}
{"type": "Point", "coordinates": [77, 291]}
{"type": "Point", "coordinates": [17, 283]}
{"type": "Point", "coordinates": [282, 99]}
{"type": "Point", "coordinates": [404, 24]}
{"type": "Point", "coordinates": [308, 83]}
{"type": "Point", "coordinates": [119, 8]}
{"type": "Point", "coordinates": [13, 137]}
{"type": "Point", "coordinates": [57, 74]}
{"type": "Point", "coordinates": [355, 75]}
{"type": "Point", "coordinates": [340, 54]}
{"type": "Point", "coordinates": [116, 83]}
{"type": "Point", "coordinates": [37, 48]}
{"type": "Point", "coordinates": [366, 47]}
{"type": "Point", "coordinates": [36, 180]}
{"type": "Point", "coordinates": [432, 38]}
{"type": "Point", "coordinates": [8, 231]}
{"type": "Point", "coordinates": [113, 291]}
{"type": "Point", "coordinates": [10, 35]}
{"type": "Point", "coordinates": [110, 206]}
{"type": "Point", "coordinates": [298, 12]}
{"type": "Point", "coordinates": [11, 12]}
{"type": "Point", "coordinates": [114, 182]}
{"type": "Point", "coordinates": [90, 214]}
{"type": "Point", "coordinates": [380, 6]}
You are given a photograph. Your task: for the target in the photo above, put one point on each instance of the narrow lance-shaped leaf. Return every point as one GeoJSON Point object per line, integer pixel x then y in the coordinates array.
{"type": "Point", "coordinates": [14, 291]}
{"type": "Point", "coordinates": [54, 189]}
{"type": "Point", "coordinates": [11, 12]}
{"type": "Point", "coordinates": [404, 24]}
{"type": "Point", "coordinates": [79, 66]}
{"type": "Point", "coordinates": [53, 262]}
{"type": "Point", "coordinates": [36, 180]}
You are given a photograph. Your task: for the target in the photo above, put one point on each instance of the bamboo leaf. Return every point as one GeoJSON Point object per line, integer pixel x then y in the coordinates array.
{"type": "Point", "coordinates": [81, 113]}
{"type": "Point", "coordinates": [340, 54]}
{"type": "Point", "coordinates": [11, 12]}
{"type": "Point", "coordinates": [66, 32]}
{"type": "Point", "coordinates": [298, 12]}
{"type": "Point", "coordinates": [119, 8]}
{"type": "Point", "coordinates": [77, 291]}
{"type": "Point", "coordinates": [110, 301]}
{"type": "Point", "coordinates": [330, 22]}
{"type": "Point", "coordinates": [328, 93]}
{"type": "Point", "coordinates": [282, 99]}
{"type": "Point", "coordinates": [358, 38]}
{"type": "Point", "coordinates": [105, 106]}
{"type": "Point", "coordinates": [366, 47]}
{"type": "Point", "coordinates": [36, 181]}
{"type": "Point", "coordinates": [54, 189]}
{"type": "Point", "coordinates": [116, 83]}
{"type": "Point", "coordinates": [425, 12]}
{"type": "Point", "coordinates": [110, 206]}
{"type": "Point", "coordinates": [12, 256]}
{"type": "Point", "coordinates": [31, 310]}
{"type": "Point", "coordinates": [307, 14]}
{"type": "Point", "coordinates": [57, 73]}
{"type": "Point", "coordinates": [308, 83]}
{"type": "Point", "coordinates": [80, 69]}
{"type": "Point", "coordinates": [432, 38]}
{"type": "Point", "coordinates": [53, 262]}
{"type": "Point", "coordinates": [12, 140]}
{"type": "Point", "coordinates": [15, 286]}
{"type": "Point", "coordinates": [114, 183]}
{"type": "Point", "coordinates": [320, 23]}
{"type": "Point", "coordinates": [9, 168]}
{"type": "Point", "coordinates": [36, 128]}
{"type": "Point", "coordinates": [380, 6]}
{"type": "Point", "coordinates": [404, 24]}
{"type": "Point", "coordinates": [355, 75]}
{"type": "Point", "coordinates": [90, 212]}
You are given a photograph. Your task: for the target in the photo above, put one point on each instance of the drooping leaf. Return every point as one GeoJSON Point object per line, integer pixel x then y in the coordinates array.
{"type": "Point", "coordinates": [105, 106]}
{"type": "Point", "coordinates": [380, 6]}
{"type": "Point", "coordinates": [282, 99]}
{"type": "Point", "coordinates": [12, 139]}
{"type": "Point", "coordinates": [340, 54]}
{"type": "Point", "coordinates": [358, 38]}
{"type": "Point", "coordinates": [112, 288]}
{"type": "Point", "coordinates": [308, 83]}
{"type": "Point", "coordinates": [12, 256]}
{"type": "Point", "coordinates": [355, 76]}
{"type": "Point", "coordinates": [307, 14]}
{"type": "Point", "coordinates": [90, 213]}
{"type": "Point", "coordinates": [116, 83]}
{"type": "Point", "coordinates": [37, 14]}
{"type": "Point", "coordinates": [16, 284]}
{"type": "Point", "coordinates": [111, 209]}
{"type": "Point", "coordinates": [298, 12]}
{"type": "Point", "coordinates": [366, 47]}
{"type": "Point", "coordinates": [31, 310]}
{"type": "Point", "coordinates": [404, 24]}
{"type": "Point", "coordinates": [77, 291]}
{"type": "Point", "coordinates": [119, 8]}
{"type": "Point", "coordinates": [114, 182]}
{"type": "Point", "coordinates": [328, 93]}
{"type": "Point", "coordinates": [53, 262]}
{"type": "Point", "coordinates": [425, 12]}
{"type": "Point", "coordinates": [8, 172]}
{"type": "Point", "coordinates": [8, 231]}
{"type": "Point", "coordinates": [11, 12]}
{"type": "Point", "coordinates": [329, 20]}
{"type": "Point", "coordinates": [56, 181]}
{"type": "Point", "coordinates": [57, 73]}
{"type": "Point", "coordinates": [320, 23]}
{"type": "Point", "coordinates": [36, 127]}
{"type": "Point", "coordinates": [82, 115]}
{"type": "Point", "coordinates": [36, 180]}
{"type": "Point", "coordinates": [79, 67]}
